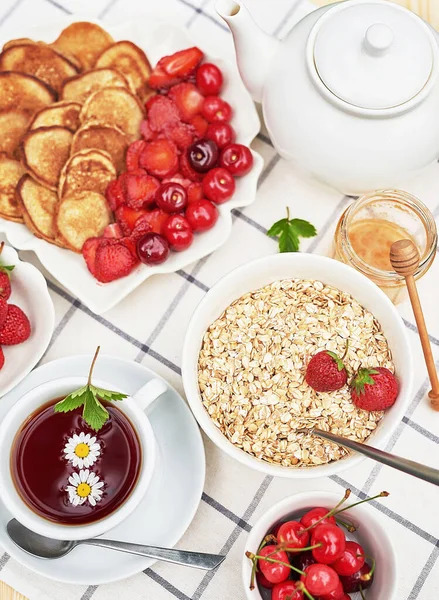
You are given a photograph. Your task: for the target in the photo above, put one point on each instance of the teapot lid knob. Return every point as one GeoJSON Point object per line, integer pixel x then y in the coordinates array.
{"type": "Point", "coordinates": [378, 40]}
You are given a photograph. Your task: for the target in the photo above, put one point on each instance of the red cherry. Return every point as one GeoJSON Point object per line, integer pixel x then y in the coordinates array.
{"type": "Point", "coordinates": [202, 215]}
{"type": "Point", "coordinates": [221, 133]}
{"type": "Point", "coordinates": [152, 249]}
{"type": "Point", "coordinates": [286, 591]}
{"type": "Point", "coordinates": [361, 578]}
{"type": "Point", "coordinates": [337, 594]}
{"type": "Point", "coordinates": [320, 579]}
{"type": "Point", "coordinates": [263, 581]}
{"type": "Point", "coordinates": [216, 109]}
{"type": "Point", "coordinates": [218, 185]}
{"type": "Point", "coordinates": [194, 192]}
{"type": "Point", "coordinates": [274, 572]}
{"type": "Point", "coordinates": [351, 561]}
{"type": "Point", "coordinates": [209, 79]}
{"type": "Point", "coordinates": [171, 197]}
{"type": "Point", "coordinates": [301, 561]}
{"type": "Point", "coordinates": [292, 534]}
{"type": "Point", "coordinates": [178, 232]}
{"type": "Point", "coordinates": [314, 515]}
{"type": "Point", "coordinates": [203, 155]}
{"type": "Point", "coordinates": [332, 540]}
{"type": "Point", "coordinates": [237, 159]}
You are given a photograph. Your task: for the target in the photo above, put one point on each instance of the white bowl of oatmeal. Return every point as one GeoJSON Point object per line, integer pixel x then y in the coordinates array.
{"type": "Point", "coordinates": [246, 351]}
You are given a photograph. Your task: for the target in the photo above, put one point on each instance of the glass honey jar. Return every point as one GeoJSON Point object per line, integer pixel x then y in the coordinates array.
{"type": "Point", "coordinates": [370, 225]}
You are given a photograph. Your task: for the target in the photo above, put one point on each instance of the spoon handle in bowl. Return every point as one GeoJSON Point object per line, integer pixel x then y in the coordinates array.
{"type": "Point", "coordinates": [391, 460]}
{"type": "Point", "coordinates": [198, 560]}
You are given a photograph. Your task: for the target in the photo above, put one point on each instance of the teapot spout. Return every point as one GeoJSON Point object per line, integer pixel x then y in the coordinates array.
{"type": "Point", "coordinates": [254, 48]}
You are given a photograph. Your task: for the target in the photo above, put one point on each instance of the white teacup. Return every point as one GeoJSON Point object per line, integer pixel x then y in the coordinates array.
{"type": "Point", "coordinates": [133, 407]}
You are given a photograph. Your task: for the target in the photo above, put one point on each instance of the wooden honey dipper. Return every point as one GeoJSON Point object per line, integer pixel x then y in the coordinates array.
{"type": "Point", "coordinates": [405, 259]}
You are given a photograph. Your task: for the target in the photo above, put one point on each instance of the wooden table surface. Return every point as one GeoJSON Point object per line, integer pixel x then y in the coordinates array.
{"type": "Point", "coordinates": [7, 593]}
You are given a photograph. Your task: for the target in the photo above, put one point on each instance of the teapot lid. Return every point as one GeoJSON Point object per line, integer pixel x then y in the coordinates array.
{"type": "Point", "coordinates": [373, 55]}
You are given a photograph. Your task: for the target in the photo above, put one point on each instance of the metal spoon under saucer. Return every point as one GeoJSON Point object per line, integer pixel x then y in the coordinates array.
{"type": "Point", "coordinates": [44, 547]}
{"type": "Point", "coordinates": [391, 460]}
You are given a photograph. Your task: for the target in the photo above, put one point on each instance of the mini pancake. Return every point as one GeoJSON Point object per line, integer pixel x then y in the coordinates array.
{"type": "Point", "coordinates": [13, 126]}
{"type": "Point", "coordinates": [64, 114]}
{"type": "Point", "coordinates": [24, 92]}
{"type": "Point", "coordinates": [102, 137]}
{"type": "Point", "coordinates": [84, 40]}
{"type": "Point", "coordinates": [87, 170]}
{"type": "Point", "coordinates": [115, 106]}
{"type": "Point", "coordinates": [131, 61]}
{"type": "Point", "coordinates": [38, 205]}
{"type": "Point", "coordinates": [44, 152]}
{"type": "Point", "coordinates": [10, 174]}
{"type": "Point", "coordinates": [28, 41]}
{"type": "Point", "coordinates": [80, 87]}
{"type": "Point", "coordinates": [40, 61]}
{"type": "Point", "coordinates": [17, 42]}
{"type": "Point", "coordinates": [80, 216]}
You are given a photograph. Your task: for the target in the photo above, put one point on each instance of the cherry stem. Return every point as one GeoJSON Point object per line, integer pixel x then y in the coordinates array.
{"type": "Point", "coordinates": [264, 542]}
{"type": "Point", "coordinates": [363, 597]}
{"type": "Point", "coordinates": [368, 576]}
{"type": "Point", "coordinates": [303, 589]}
{"type": "Point", "coordinates": [2, 245]}
{"type": "Point", "coordinates": [349, 526]}
{"type": "Point", "coordinates": [380, 495]}
{"type": "Point", "coordinates": [93, 365]}
{"type": "Point", "coordinates": [284, 548]}
{"type": "Point", "coordinates": [331, 512]}
{"type": "Point", "coordinates": [255, 557]}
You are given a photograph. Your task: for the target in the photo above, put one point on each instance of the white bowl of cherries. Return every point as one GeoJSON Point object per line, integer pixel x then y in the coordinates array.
{"type": "Point", "coordinates": [312, 546]}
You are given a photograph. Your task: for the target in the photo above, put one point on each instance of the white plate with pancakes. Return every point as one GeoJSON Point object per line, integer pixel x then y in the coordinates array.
{"type": "Point", "coordinates": [156, 38]}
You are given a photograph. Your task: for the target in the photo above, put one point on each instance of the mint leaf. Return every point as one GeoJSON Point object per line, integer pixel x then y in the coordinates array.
{"type": "Point", "coordinates": [290, 231]}
{"type": "Point", "coordinates": [94, 413]}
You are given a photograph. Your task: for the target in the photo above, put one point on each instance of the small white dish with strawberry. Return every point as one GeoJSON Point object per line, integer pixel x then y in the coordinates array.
{"type": "Point", "coordinates": [27, 318]}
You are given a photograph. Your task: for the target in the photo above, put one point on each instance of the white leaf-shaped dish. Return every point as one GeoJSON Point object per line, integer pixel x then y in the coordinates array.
{"type": "Point", "coordinates": [156, 38]}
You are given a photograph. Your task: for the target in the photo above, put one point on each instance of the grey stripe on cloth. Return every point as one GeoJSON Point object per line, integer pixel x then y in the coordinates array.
{"type": "Point", "coordinates": [395, 437]}
{"type": "Point", "coordinates": [166, 585]}
{"type": "Point", "coordinates": [330, 221]}
{"type": "Point", "coordinates": [193, 280]}
{"type": "Point", "coordinates": [3, 560]}
{"type": "Point", "coordinates": [60, 6]}
{"type": "Point", "coordinates": [206, 15]}
{"type": "Point", "coordinates": [421, 430]}
{"type": "Point", "coordinates": [89, 592]}
{"type": "Point", "coordinates": [197, 11]}
{"type": "Point", "coordinates": [424, 574]}
{"type": "Point", "coordinates": [107, 9]}
{"type": "Point", "coordinates": [238, 213]}
{"type": "Point", "coordinates": [59, 328]}
{"type": "Point", "coordinates": [10, 11]}
{"type": "Point", "coordinates": [225, 512]}
{"type": "Point", "coordinates": [413, 327]}
{"type": "Point", "coordinates": [234, 535]}
{"type": "Point", "coordinates": [387, 511]}
{"type": "Point", "coordinates": [295, 5]}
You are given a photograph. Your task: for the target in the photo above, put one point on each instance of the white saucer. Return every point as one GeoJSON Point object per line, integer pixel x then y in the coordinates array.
{"type": "Point", "coordinates": [172, 498]}
{"type": "Point", "coordinates": [29, 292]}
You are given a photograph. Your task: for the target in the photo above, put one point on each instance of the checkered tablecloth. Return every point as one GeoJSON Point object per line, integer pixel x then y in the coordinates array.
{"type": "Point", "coordinates": [149, 327]}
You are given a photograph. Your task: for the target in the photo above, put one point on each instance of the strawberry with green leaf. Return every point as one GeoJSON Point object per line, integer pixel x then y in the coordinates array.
{"type": "Point", "coordinates": [374, 389]}
{"type": "Point", "coordinates": [290, 231]}
{"type": "Point", "coordinates": [326, 371]}
{"type": "Point", "coordinates": [94, 414]}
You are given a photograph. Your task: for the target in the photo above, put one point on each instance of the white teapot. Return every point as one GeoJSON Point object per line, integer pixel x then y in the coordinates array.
{"type": "Point", "coordinates": [351, 95]}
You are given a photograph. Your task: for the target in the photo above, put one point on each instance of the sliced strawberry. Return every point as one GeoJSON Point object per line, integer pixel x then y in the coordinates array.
{"type": "Point", "coordinates": [141, 227]}
{"type": "Point", "coordinates": [188, 100]}
{"type": "Point", "coordinates": [160, 158]}
{"type": "Point", "coordinates": [154, 218]}
{"type": "Point", "coordinates": [114, 194]}
{"type": "Point", "coordinates": [141, 189]}
{"type": "Point", "coordinates": [145, 129]}
{"type": "Point", "coordinates": [159, 79]}
{"type": "Point", "coordinates": [89, 252]}
{"type": "Point", "coordinates": [178, 178]}
{"type": "Point", "coordinates": [113, 231]}
{"type": "Point", "coordinates": [113, 261]}
{"type": "Point", "coordinates": [187, 171]}
{"type": "Point", "coordinates": [182, 63]}
{"type": "Point", "coordinates": [200, 124]}
{"type": "Point", "coordinates": [181, 134]}
{"type": "Point", "coordinates": [162, 112]}
{"type": "Point", "coordinates": [133, 153]}
{"type": "Point", "coordinates": [127, 217]}
{"type": "Point", "coordinates": [195, 192]}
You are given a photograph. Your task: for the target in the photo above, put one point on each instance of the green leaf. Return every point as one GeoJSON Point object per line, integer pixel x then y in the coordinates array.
{"type": "Point", "coordinates": [363, 378]}
{"type": "Point", "coordinates": [72, 401]}
{"type": "Point", "coordinates": [289, 231]}
{"type": "Point", "coordinates": [277, 228]}
{"type": "Point", "coordinates": [95, 415]}
{"type": "Point", "coordinates": [338, 360]}
{"type": "Point", "coordinates": [107, 394]}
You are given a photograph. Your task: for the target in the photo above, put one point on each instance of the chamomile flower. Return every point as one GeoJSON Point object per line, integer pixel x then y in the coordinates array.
{"type": "Point", "coordinates": [85, 485]}
{"type": "Point", "coordinates": [82, 450]}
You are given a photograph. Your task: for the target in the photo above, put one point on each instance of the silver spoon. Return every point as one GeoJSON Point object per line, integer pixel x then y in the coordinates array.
{"type": "Point", "coordinates": [391, 460]}
{"type": "Point", "coordinates": [44, 547]}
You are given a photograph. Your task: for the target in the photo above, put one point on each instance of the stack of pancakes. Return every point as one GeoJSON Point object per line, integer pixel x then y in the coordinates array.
{"type": "Point", "coordinates": [68, 111]}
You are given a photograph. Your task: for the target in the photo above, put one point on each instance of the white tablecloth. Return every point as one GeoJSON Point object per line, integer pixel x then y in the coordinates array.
{"type": "Point", "coordinates": [155, 317]}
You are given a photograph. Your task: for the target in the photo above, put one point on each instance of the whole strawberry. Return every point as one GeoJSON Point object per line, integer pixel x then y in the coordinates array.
{"type": "Point", "coordinates": [326, 372]}
{"type": "Point", "coordinates": [3, 311]}
{"type": "Point", "coordinates": [16, 329]}
{"type": "Point", "coordinates": [374, 389]}
{"type": "Point", "coordinates": [5, 278]}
